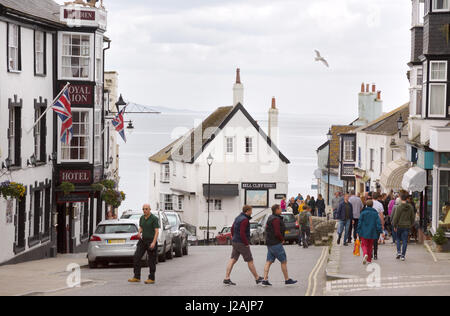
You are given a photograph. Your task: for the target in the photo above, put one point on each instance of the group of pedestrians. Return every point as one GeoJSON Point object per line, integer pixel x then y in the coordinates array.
{"type": "Point", "coordinates": [371, 217]}
{"type": "Point", "coordinates": [275, 231]}
{"type": "Point", "coordinates": [297, 204]}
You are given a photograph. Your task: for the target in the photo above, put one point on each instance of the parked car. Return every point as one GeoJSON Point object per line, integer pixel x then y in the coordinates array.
{"type": "Point", "coordinates": [192, 239]}
{"type": "Point", "coordinates": [292, 228]}
{"type": "Point", "coordinates": [256, 234]}
{"type": "Point", "coordinates": [113, 241]}
{"type": "Point", "coordinates": [180, 236]}
{"type": "Point", "coordinates": [165, 237]}
{"type": "Point", "coordinates": [224, 237]}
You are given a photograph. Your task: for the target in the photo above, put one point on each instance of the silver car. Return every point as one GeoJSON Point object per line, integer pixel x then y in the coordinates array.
{"type": "Point", "coordinates": [165, 237]}
{"type": "Point", "coordinates": [113, 241]}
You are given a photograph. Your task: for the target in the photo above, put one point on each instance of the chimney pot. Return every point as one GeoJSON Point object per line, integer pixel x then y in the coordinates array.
{"type": "Point", "coordinates": [367, 87]}
{"type": "Point", "coordinates": [379, 95]}
{"type": "Point", "coordinates": [362, 87]}
{"type": "Point", "coordinates": [274, 103]}
{"type": "Point", "coordinates": [238, 75]}
{"type": "Point", "coordinates": [374, 88]}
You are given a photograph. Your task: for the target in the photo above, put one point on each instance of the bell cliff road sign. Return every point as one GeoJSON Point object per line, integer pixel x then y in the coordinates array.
{"type": "Point", "coordinates": [259, 186]}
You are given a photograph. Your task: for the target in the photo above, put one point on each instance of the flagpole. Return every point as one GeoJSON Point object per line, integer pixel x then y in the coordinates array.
{"type": "Point", "coordinates": [48, 108]}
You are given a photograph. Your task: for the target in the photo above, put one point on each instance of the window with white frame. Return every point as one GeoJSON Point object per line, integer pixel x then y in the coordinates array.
{"type": "Point", "coordinates": [441, 5]}
{"type": "Point", "coordinates": [438, 71]}
{"type": "Point", "coordinates": [12, 134]}
{"type": "Point", "coordinates": [229, 145]}
{"type": "Point", "coordinates": [349, 149]}
{"type": "Point", "coordinates": [76, 56]}
{"type": "Point", "coordinates": [14, 47]}
{"type": "Point", "coordinates": [78, 149]}
{"type": "Point", "coordinates": [165, 173]}
{"type": "Point", "coordinates": [248, 145]}
{"type": "Point", "coordinates": [438, 96]}
{"type": "Point", "coordinates": [39, 52]}
{"type": "Point", "coordinates": [168, 202]}
{"type": "Point", "coordinates": [372, 159]}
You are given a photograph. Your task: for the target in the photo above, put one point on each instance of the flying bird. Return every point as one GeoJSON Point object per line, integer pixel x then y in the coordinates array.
{"type": "Point", "coordinates": [320, 58]}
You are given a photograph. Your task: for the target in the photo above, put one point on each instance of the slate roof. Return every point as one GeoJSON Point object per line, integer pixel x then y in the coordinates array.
{"type": "Point", "coordinates": [42, 9]}
{"type": "Point", "coordinates": [387, 123]}
{"type": "Point", "coordinates": [191, 145]}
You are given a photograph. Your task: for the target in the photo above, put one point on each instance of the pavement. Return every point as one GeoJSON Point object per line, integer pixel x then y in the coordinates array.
{"type": "Point", "coordinates": [423, 272]}
{"type": "Point", "coordinates": [40, 277]}
{"type": "Point", "coordinates": [199, 274]}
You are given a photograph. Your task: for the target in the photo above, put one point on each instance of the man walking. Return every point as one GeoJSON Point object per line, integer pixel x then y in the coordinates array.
{"type": "Point", "coordinates": [357, 208]}
{"type": "Point", "coordinates": [305, 222]}
{"type": "Point", "coordinates": [345, 217]}
{"type": "Point", "coordinates": [404, 219]}
{"type": "Point", "coordinates": [240, 232]}
{"type": "Point", "coordinates": [275, 230]}
{"type": "Point", "coordinates": [148, 242]}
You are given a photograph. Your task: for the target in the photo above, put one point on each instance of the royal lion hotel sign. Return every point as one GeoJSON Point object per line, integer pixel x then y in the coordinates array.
{"type": "Point", "coordinates": [79, 16]}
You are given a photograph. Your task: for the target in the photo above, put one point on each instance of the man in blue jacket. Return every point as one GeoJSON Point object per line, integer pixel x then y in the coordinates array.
{"type": "Point", "coordinates": [240, 232]}
{"type": "Point", "coordinates": [369, 230]}
{"type": "Point", "coordinates": [345, 217]}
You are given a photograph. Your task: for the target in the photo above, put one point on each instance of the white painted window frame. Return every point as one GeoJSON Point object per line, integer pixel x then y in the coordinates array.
{"type": "Point", "coordinates": [438, 62]}
{"type": "Point", "coordinates": [13, 44]}
{"type": "Point", "coordinates": [434, 7]}
{"type": "Point", "coordinates": [39, 52]}
{"type": "Point", "coordinates": [429, 100]}
{"type": "Point", "coordinates": [91, 58]}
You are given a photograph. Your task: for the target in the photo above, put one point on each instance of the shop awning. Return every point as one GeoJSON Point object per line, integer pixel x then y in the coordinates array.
{"type": "Point", "coordinates": [392, 176]}
{"type": "Point", "coordinates": [415, 180]}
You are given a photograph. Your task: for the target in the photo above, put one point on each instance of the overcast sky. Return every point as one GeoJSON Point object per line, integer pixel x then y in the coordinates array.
{"type": "Point", "coordinates": [183, 53]}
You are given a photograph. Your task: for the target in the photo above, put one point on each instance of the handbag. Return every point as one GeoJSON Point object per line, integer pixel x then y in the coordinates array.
{"type": "Point", "coordinates": [356, 250]}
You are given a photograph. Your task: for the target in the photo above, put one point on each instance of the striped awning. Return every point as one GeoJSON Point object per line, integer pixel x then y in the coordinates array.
{"type": "Point", "coordinates": [392, 176]}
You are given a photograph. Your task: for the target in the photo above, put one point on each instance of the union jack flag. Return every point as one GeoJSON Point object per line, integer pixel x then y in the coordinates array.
{"type": "Point", "coordinates": [119, 124]}
{"type": "Point", "coordinates": [62, 107]}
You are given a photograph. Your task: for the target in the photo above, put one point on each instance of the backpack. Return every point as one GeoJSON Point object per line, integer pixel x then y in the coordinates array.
{"type": "Point", "coordinates": [303, 219]}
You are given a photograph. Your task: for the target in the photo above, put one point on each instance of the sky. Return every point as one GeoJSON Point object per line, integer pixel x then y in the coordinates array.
{"type": "Point", "coordinates": [183, 53]}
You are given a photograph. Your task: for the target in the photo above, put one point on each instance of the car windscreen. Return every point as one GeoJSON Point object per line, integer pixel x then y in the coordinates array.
{"type": "Point", "coordinates": [173, 220]}
{"type": "Point", "coordinates": [288, 218]}
{"type": "Point", "coordinates": [116, 229]}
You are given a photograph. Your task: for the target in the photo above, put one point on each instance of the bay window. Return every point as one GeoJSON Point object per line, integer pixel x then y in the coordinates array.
{"type": "Point", "coordinates": [14, 60]}
{"type": "Point", "coordinates": [441, 5]}
{"type": "Point", "coordinates": [76, 56]}
{"type": "Point", "coordinates": [78, 149]}
{"type": "Point", "coordinates": [438, 71]}
{"type": "Point", "coordinates": [349, 149]}
{"type": "Point", "coordinates": [438, 96]}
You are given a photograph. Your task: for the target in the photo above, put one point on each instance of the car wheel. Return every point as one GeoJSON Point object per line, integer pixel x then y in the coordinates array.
{"type": "Point", "coordinates": [162, 257]}
{"type": "Point", "coordinates": [185, 249]}
{"type": "Point", "coordinates": [92, 264]}
{"type": "Point", "coordinates": [179, 250]}
{"type": "Point", "coordinates": [169, 254]}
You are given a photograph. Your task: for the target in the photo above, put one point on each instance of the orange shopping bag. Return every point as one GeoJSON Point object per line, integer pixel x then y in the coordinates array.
{"type": "Point", "coordinates": [356, 250]}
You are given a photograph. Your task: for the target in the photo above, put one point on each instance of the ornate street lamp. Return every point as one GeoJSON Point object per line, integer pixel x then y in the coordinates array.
{"type": "Point", "coordinates": [400, 125]}
{"type": "Point", "coordinates": [120, 103]}
{"type": "Point", "coordinates": [209, 161]}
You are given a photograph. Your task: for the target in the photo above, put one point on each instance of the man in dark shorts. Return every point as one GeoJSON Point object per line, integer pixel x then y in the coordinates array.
{"type": "Point", "coordinates": [275, 230]}
{"type": "Point", "coordinates": [148, 242]}
{"type": "Point", "coordinates": [240, 232]}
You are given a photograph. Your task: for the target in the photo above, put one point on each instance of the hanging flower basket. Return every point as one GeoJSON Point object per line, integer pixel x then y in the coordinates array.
{"type": "Point", "coordinates": [108, 193]}
{"type": "Point", "coordinates": [67, 187]}
{"type": "Point", "coordinates": [12, 190]}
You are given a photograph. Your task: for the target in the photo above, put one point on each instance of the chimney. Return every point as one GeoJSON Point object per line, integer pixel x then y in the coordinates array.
{"type": "Point", "coordinates": [362, 87]}
{"type": "Point", "coordinates": [367, 88]}
{"type": "Point", "coordinates": [273, 122]}
{"type": "Point", "coordinates": [374, 88]}
{"type": "Point", "coordinates": [238, 89]}
{"type": "Point", "coordinates": [379, 95]}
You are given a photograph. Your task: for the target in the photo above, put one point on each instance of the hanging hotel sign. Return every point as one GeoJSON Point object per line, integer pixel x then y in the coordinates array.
{"type": "Point", "coordinates": [78, 16]}
{"type": "Point", "coordinates": [75, 176]}
{"type": "Point", "coordinates": [259, 186]}
{"type": "Point", "coordinates": [80, 94]}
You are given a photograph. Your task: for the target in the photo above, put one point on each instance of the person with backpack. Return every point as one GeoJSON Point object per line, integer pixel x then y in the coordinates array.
{"type": "Point", "coordinates": [305, 223]}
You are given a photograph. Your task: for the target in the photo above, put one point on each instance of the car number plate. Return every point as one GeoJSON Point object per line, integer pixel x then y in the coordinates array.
{"type": "Point", "coordinates": [288, 232]}
{"type": "Point", "coordinates": [116, 241]}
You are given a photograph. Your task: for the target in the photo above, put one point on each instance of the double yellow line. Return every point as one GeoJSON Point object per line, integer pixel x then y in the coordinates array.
{"type": "Point", "coordinates": [312, 280]}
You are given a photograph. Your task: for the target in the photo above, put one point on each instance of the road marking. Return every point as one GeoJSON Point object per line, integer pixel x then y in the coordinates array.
{"type": "Point", "coordinates": [314, 272]}
{"type": "Point", "coordinates": [431, 252]}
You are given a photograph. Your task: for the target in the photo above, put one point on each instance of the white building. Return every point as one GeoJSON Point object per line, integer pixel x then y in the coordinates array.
{"type": "Point", "coordinates": [49, 45]}
{"type": "Point", "coordinates": [247, 169]}
{"type": "Point", "coordinates": [111, 146]}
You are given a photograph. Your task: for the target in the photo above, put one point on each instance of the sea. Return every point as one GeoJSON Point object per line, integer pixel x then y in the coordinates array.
{"type": "Point", "coordinates": [300, 136]}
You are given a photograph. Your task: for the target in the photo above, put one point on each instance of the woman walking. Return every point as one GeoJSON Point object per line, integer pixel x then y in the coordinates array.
{"type": "Point", "coordinates": [320, 204]}
{"type": "Point", "coordinates": [369, 229]}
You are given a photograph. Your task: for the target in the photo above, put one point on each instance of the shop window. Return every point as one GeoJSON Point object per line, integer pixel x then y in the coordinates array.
{"type": "Point", "coordinates": [444, 199]}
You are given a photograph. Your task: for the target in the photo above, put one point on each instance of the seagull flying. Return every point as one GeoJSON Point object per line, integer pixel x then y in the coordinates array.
{"type": "Point", "coordinates": [320, 58]}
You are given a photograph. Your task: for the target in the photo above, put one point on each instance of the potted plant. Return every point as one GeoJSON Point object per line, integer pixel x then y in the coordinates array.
{"type": "Point", "coordinates": [440, 239]}
{"type": "Point", "coordinates": [67, 187]}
